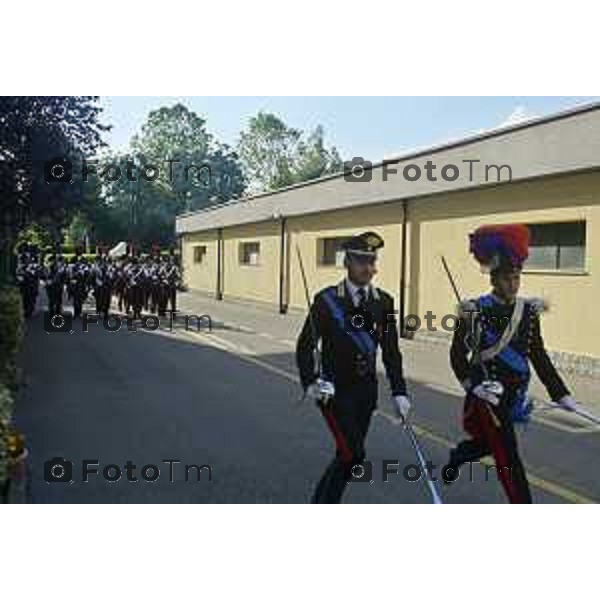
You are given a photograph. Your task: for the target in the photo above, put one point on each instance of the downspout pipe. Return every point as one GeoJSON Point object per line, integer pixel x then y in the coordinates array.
{"type": "Point", "coordinates": [402, 294]}
{"type": "Point", "coordinates": [219, 293]}
{"type": "Point", "coordinates": [283, 307]}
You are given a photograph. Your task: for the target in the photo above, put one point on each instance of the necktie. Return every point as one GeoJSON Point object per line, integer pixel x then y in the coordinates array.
{"type": "Point", "coordinates": [362, 297]}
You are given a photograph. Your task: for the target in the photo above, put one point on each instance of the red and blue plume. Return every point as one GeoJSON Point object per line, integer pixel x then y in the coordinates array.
{"type": "Point", "coordinates": [495, 244]}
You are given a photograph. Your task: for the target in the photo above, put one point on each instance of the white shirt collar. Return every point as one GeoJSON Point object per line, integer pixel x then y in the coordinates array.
{"type": "Point", "coordinates": [353, 289]}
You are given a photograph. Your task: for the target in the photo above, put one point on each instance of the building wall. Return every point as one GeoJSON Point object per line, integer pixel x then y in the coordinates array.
{"type": "Point", "coordinates": [306, 231]}
{"type": "Point", "coordinates": [254, 282]}
{"type": "Point", "coordinates": [440, 226]}
{"type": "Point", "coordinates": [437, 225]}
{"type": "Point", "coordinates": [200, 276]}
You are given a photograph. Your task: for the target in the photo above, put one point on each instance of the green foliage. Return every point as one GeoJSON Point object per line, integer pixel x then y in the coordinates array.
{"type": "Point", "coordinates": [68, 257]}
{"type": "Point", "coordinates": [274, 155]}
{"type": "Point", "coordinates": [267, 150]}
{"type": "Point", "coordinates": [36, 234]}
{"type": "Point", "coordinates": [35, 129]}
{"type": "Point", "coordinates": [142, 211]}
{"type": "Point", "coordinates": [78, 230]}
{"type": "Point", "coordinates": [11, 332]}
{"type": "Point", "coordinates": [6, 412]}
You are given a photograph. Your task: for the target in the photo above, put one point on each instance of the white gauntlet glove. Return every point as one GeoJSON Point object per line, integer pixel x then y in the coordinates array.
{"type": "Point", "coordinates": [486, 392]}
{"type": "Point", "coordinates": [320, 391]}
{"type": "Point", "coordinates": [402, 406]}
{"type": "Point", "coordinates": [568, 403]}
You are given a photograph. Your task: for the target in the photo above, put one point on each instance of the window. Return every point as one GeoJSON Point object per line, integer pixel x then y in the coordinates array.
{"type": "Point", "coordinates": [249, 253]}
{"type": "Point", "coordinates": [557, 246]}
{"type": "Point", "coordinates": [330, 252]}
{"type": "Point", "coordinates": [199, 254]}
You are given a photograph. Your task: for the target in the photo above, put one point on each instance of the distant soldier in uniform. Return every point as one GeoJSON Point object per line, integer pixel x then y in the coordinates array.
{"type": "Point", "coordinates": [134, 276]}
{"type": "Point", "coordinates": [153, 278]}
{"type": "Point", "coordinates": [498, 337]}
{"type": "Point", "coordinates": [173, 277]}
{"type": "Point", "coordinates": [55, 276]}
{"type": "Point", "coordinates": [120, 283]}
{"type": "Point", "coordinates": [78, 275]}
{"type": "Point", "coordinates": [148, 267]}
{"type": "Point", "coordinates": [102, 276]}
{"type": "Point", "coordinates": [350, 319]}
{"type": "Point", "coordinates": [28, 274]}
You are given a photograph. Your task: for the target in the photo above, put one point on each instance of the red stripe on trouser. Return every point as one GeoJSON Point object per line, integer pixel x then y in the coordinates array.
{"type": "Point", "coordinates": [341, 444]}
{"type": "Point", "coordinates": [482, 424]}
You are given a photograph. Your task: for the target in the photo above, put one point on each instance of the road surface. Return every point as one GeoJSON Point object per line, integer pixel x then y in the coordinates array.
{"type": "Point", "coordinates": [228, 401]}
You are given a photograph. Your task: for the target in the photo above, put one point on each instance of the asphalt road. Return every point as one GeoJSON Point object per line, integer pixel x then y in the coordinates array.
{"type": "Point", "coordinates": [229, 400]}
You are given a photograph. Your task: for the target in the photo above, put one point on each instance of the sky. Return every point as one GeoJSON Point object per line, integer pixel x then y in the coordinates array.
{"type": "Point", "coordinates": [371, 127]}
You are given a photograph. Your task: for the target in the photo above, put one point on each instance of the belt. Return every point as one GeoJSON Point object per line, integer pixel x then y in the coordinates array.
{"type": "Point", "coordinates": [364, 364]}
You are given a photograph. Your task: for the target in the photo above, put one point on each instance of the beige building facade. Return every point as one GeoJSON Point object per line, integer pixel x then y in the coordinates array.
{"type": "Point", "coordinates": [545, 173]}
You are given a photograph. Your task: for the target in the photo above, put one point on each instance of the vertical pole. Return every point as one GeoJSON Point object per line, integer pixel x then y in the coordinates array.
{"type": "Point", "coordinates": [283, 307]}
{"type": "Point", "coordinates": [402, 307]}
{"type": "Point", "coordinates": [219, 265]}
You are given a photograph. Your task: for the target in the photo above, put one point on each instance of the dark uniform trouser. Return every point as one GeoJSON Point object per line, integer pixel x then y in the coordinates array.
{"type": "Point", "coordinates": [29, 292]}
{"type": "Point", "coordinates": [348, 416]}
{"type": "Point", "coordinates": [79, 297]}
{"type": "Point", "coordinates": [103, 297]}
{"type": "Point", "coordinates": [54, 293]}
{"type": "Point", "coordinates": [492, 432]}
{"type": "Point", "coordinates": [172, 293]}
{"type": "Point", "coordinates": [135, 299]}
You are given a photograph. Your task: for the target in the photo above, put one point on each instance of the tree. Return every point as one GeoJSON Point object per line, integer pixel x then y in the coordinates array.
{"type": "Point", "coordinates": [33, 130]}
{"type": "Point", "coordinates": [193, 166]}
{"type": "Point", "coordinates": [314, 159]}
{"type": "Point", "coordinates": [274, 155]}
{"type": "Point", "coordinates": [36, 234]}
{"type": "Point", "coordinates": [267, 152]}
{"type": "Point", "coordinates": [193, 172]}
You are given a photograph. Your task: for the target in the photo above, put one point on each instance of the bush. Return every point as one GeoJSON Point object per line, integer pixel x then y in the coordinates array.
{"type": "Point", "coordinates": [11, 333]}
{"type": "Point", "coordinates": [6, 411]}
{"type": "Point", "coordinates": [69, 257]}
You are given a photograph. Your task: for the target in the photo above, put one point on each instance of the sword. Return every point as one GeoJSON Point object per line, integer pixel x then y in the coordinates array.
{"type": "Point", "coordinates": [313, 327]}
{"type": "Point", "coordinates": [433, 490]}
{"type": "Point", "coordinates": [326, 387]}
{"type": "Point", "coordinates": [452, 283]}
{"type": "Point", "coordinates": [586, 415]}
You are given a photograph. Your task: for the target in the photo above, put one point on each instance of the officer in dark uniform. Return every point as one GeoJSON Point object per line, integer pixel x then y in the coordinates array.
{"type": "Point", "coordinates": [120, 283]}
{"type": "Point", "coordinates": [499, 336]}
{"type": "Point", "coordinates": [28, 275]}
{"type": "Point", "coordinates": [78, 275]}
{"type": "Point", "coordinates": [134, 274]}
{"type": "Point", "coordinates": [103, 280]}
{"type": "Point", "coordinates": [351, 320]}
{"type": "Point", "coordinates": [173, 275]}
{"type": "Point", "coordinates": [55, 277]}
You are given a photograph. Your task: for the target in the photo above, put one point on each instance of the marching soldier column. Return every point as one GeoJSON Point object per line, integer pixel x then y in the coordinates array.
{"type": "Point", "coordinates": [137, 284]}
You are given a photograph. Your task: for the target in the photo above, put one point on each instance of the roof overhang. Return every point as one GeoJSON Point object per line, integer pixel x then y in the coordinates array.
{"type": "Point", "coordinates": [563, 143]}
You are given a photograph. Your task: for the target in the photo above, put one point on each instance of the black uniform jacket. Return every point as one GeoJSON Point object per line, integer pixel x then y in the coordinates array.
{"type": "Point", "coordinates": [343, 361]}
{"type": "Point", "coordinates": [527, 342]}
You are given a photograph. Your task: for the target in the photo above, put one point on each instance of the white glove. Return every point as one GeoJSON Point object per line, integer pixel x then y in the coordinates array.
{"type": "Point", "coordinates": [568, 403]}
{"type": "Point", "coordinates": [320, 391]}
{"type": "Point", "coordinates": [483, 392]}
{"type": "Point", "coordinates": [402, 406]}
